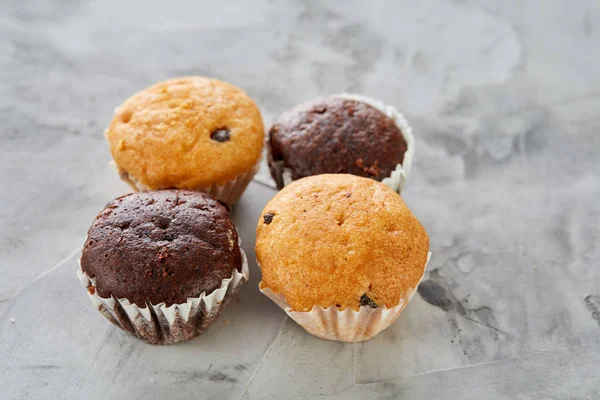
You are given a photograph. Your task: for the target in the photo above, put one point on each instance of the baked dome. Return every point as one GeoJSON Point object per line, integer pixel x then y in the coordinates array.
{"type": "Point", "coordinates": [342, 240]}
{"type": "Point", "coordinates": [186, 133]}
{"type": "Point", "coordinates": [161, 246]}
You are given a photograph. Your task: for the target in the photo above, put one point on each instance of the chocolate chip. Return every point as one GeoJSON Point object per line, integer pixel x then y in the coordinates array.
{"type": "Point", "coordinates": [366, 301]}
{"type": "Point", "coordinates": [268, 218]}
{"type": "Point", "coordinates": [220, 135]}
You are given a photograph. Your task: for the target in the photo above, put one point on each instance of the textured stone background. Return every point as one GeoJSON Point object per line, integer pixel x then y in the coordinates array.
{"type": "Point", "coordinates": [504, 98]}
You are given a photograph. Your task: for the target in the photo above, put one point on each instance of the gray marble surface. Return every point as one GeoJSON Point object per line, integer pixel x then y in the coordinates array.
{"type": "Point", "coordinates": [504, 98]}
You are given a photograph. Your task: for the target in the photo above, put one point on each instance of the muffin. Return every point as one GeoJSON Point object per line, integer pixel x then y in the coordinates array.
{"type": "Point", "coordinates": [191, 133]}
{"type": "Point", "coordinates": [342, 254]}
{"type": "Point", "coordinates": [345, 133]}
{"type": "Point", "coordinates": [161, 264]}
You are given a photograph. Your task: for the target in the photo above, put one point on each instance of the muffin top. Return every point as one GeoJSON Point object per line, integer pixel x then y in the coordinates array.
{"type": "Point", "coordinates": [161, 246]}
{"type": "Point", "coordinates": [185, 133]}
{"type": "Point", "coordinates": [340, 240]}
{"type": "Point", "coordinates": [335, 135]}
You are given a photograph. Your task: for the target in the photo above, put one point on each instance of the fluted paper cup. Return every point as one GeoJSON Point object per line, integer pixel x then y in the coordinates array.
{"type": "Point", "coordinates": [346, 325]}
{"type": "Point", "coordinates": [229, 192]}
{"type": "Point", "coordinates": [159, 324]}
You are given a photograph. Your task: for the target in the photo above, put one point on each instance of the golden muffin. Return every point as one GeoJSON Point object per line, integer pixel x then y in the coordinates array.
{"type": "Point", "coordinates": [188, 133]}
{"type": "Point", "coordinates": [340, 240]}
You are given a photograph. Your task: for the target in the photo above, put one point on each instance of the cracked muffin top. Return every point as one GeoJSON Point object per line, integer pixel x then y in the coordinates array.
{"type": "Point", "coordinates": [161, 246]}
{"type": "Point", "coordinates": [342, 240]}
{"type": "Point", "coordinates": [186, 133]}
{"type": "Point", "coordinates": [334, 135]}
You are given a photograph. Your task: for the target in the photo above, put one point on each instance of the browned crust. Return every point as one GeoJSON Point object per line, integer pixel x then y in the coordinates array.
{"type": "Point", "coordinates": [334, 238]}
{"type": "Point", "coordinates": [161, 136]}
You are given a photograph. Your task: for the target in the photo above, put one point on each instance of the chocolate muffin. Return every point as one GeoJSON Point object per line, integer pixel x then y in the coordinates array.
{"type": "Point", "coordinates": [335, 244]}
{"type": "Point", "coordinates": [341, 134]}
{"type": "Point", "coordinates": [161, 249]}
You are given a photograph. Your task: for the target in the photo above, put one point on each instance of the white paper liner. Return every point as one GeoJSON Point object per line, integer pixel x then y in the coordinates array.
{"type": "Point", "coordinates": [230, 192]}
{"type": "Point", "coordinates": [399, 176]}
{"type": "Point", "coordinates": [347, 325]}
{"type": "Point", "coordinates": [160, 324]}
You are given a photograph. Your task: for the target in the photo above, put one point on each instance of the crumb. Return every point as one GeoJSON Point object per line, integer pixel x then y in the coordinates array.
{"type": "Point", "coordinates": [12, 320]}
